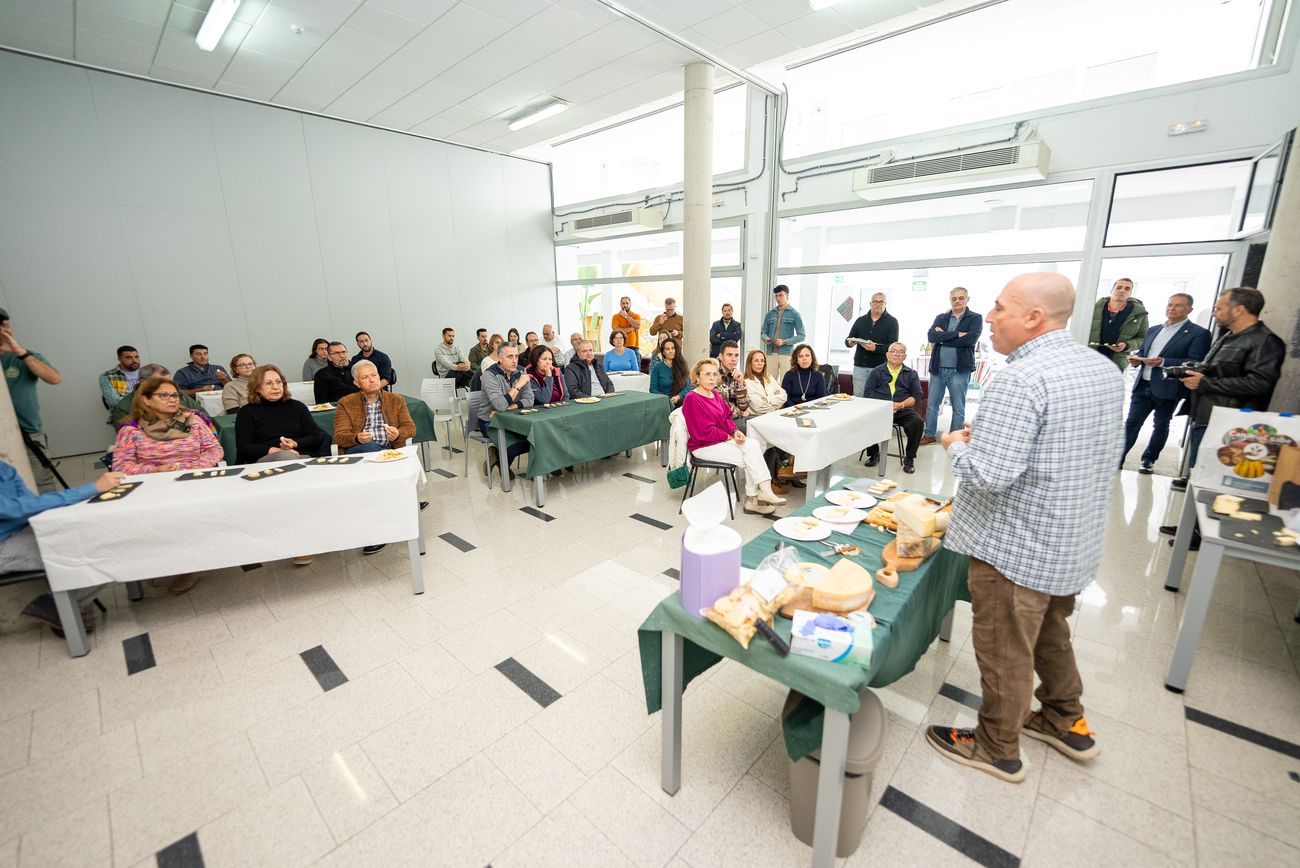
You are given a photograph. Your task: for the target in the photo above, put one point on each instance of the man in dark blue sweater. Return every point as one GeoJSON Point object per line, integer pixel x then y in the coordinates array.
{"type": "Point", "coordinates": [896, 382]}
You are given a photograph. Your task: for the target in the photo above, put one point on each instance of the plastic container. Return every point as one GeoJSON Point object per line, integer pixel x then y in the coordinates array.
{"type": "Point", "coordinates": [710, 551]}
{"type": "Point", "coordinates": [866, 744]}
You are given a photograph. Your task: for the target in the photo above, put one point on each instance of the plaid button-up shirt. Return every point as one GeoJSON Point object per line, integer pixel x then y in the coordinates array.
{"type": "Point", "coordinates": [1034, 480]}
{"type": "Point", "coordinates": [375, 420]}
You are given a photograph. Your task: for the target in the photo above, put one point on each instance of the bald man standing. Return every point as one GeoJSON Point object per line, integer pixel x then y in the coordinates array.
{"type": "Point", "coordinates": [1034, 475]}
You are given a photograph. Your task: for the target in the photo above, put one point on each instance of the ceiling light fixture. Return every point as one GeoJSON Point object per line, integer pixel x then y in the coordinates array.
{"type": "Point", "coordinates": [532, 116]}
{"type": "Point", "coordinates": [219, 16]}
{"type": "Point", "coordinates": [819, 5]}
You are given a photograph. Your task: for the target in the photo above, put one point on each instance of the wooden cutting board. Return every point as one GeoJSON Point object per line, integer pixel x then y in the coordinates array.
{"type": "Point", "coordinates": [893, 564]}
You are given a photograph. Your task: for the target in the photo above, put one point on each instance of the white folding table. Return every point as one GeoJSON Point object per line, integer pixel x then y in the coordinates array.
{"type": "Point", "coordinates": [844, 428]}
{"type": "Point", "coordinates": [169, 526]}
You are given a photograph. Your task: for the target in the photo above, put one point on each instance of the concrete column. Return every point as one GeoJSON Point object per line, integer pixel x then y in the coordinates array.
{"type": "Point", "coordinates": [1279, 280]}
{"type": "Point", "coordinates": [698, 211]}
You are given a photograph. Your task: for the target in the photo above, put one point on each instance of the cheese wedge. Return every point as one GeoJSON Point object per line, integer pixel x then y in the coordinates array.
{"type": "Point", "coordinates": [846, 588]}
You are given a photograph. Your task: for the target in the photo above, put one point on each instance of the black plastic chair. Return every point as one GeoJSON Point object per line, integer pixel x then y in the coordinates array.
{"type": "Point", "coordinates": [898, 439]}
{"type": "Point", "coordinates": [728, 481]}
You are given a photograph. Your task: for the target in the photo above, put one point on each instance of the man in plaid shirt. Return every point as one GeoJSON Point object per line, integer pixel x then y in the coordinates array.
{"type": "Point", "coordinates": [1033, 473]}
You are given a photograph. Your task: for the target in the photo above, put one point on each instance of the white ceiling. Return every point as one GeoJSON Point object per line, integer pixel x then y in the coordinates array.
{"type": "Point", "coordinates": [451, 69]}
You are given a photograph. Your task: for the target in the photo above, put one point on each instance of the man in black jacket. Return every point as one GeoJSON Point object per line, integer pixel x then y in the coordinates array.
{"type": "Point", "coordinates": [1240, 370]}
{"type": "Point", "coordinates": [335, 379]}
{"type": "Point", "coordinates": [896, 382]}
{"type": "Point", "coordinates": [578, 374]}
{"type": "Point", "coordinates": [725, 329]}
{"type": "Point", "coordinates": [871, 334]}
{"type": "Point", "coordinates": [954, 335]}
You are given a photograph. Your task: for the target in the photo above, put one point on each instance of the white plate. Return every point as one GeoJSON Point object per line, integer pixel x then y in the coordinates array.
{"type": "Point", "coordinates": [386, 456]}
{"type": "Point", "coordinates": [839, 514]}
{"type": "Point", "coordinates": [844, 497]}
{"type": "Point", "coordinates": [793, 527]}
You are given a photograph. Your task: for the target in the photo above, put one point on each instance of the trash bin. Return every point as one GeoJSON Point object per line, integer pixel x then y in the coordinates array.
{"type": "Point", "coordinates": [866, 743]}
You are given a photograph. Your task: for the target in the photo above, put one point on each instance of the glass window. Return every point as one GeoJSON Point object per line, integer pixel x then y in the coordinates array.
{"type": "Point", "coordinates": [642, 154]}
{"type": "Point", "coordinates": [1264, 187]}
{"type": "Point", "coordinates": [1009, 59]}
{"type": "Point", "coordinates": [1044, 219]}
{"type": "Point", "coordinates": [658, 253]}
{"type": "Point", "coordinates": [586, 308]}
{"type": "Point", "coordinates": [1155, 278]}
{"type": "Point", "coordinates": [829, 302]}
{"type": "Point", "coordinates": [1191, 203]}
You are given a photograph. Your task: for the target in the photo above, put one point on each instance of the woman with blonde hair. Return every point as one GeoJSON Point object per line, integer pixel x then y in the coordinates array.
{"type": "Point", "coordinates": [712, 436]}
{"type": "Point", "coordinates": [765, 393]}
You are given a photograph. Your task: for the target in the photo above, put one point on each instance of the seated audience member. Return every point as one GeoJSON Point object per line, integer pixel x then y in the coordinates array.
{"type": "Point", "coordinates": [382, 362]}
{"type": "Point", "coordinates": [619, 357]}
{"type": "Point", "coordinates": [669, 374]}
{"type": "Point", "coordinates": [118, 382]}
{"type": "Point", "coordinates": [552, 340]}
{"type": "Point", "coordinates": [547, 379]}
{"type": "Point", "coordinates": [122, 409]}
{"type": "Point", "coordinates": [512, 338]}
{"type": "Point", "coordinates": [370, 419]}
{"type": "Point", "coordinates": [198, 375]}
{"type": "Point", "coordinates": [318, 359]}
{"type": "Point", "coordinates": [804, 381]}
{"type": "Point", "coordinates": [713, 436]}
{"type": "Point", "coordinates": [584, 377]}
{"type": "Point", "coordinates": [731, 381]}
{"type": "Point", "coordinates": [765, 393]}
{"type": "Point", "coordinates": [505, 387]}
{"type": "Point", "coordinates": [162, 436]}
{"type": "Point", "coordinates": [495, 343]}
{"type": "Point", "coordinates": [449, 361]}
{"type": "Point", "coordinates": [334, 380]}
{"type": "Point", "coordinates": [235, 393]}
{"type": "Point", "coordinates": [272, 426]}
{"type": "Point", "coordinates": [18, 549]}
{"type": "Point", "coordinates": [530, 341]}
{"type": "Point", "coordinates": [574, 340]}
{"type": "Point", "coordinates": [479, 350]}
{"type": "Point", "coordinates": [896, 382]}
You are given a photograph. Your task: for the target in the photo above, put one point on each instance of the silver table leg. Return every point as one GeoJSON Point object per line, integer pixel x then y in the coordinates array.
{"type": "Point", "coordinates": [74, 629]}
{"type": "Point", "coordinates": [663, 453]}
{"type": "Point", "coordinates": [415, 547]}
{"type": "Point", "coordinates": [503, 460]}
{"type": "Point", "coordinates": [945, 629]}
{"type": "Point", "coordinates": [1194, 610]}
{"type": "Point", "coordinates": [670, 760]}
{"type": "Point", "coordinates": [539, 489]}
{"type": "Point", "coordinates": [830, 787]}
{"type": "Point", "coordinates": [1183, 539]}
{"type": "Point", "coordinates": [818, 481]}
{"type": "Point", "coordinates": [884, 457]}
{"type": "Point", "coordinates": [134, 591]}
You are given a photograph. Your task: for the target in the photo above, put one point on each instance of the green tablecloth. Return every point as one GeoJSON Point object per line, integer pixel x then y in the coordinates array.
{"type": "Point", "coordinates": [572, 433]}
{"type": "Point", "coordinates": [907, 621]}
{"type": "Point", "coordinates": [420, 414]}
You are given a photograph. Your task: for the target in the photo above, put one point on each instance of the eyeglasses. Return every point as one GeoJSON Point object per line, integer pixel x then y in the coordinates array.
{"type": "Point", "coordinates": [167, 396]}
{"type": "Point", "coordinates": [273, 382]}
{"type": "Point", "coordinates": [246, 365]}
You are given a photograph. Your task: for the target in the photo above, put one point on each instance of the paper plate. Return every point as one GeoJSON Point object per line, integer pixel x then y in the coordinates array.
{"type": "Point", "coordinates": [587, 400]}
{"type": "Point", "coordinates": [386, 456]}
{"type": "Point", "coordinates": [802, 528]}
{"type": "Point", "coordinates": [839, 514]}
{"type": "Point", "coordinates": [846, 497]}
{"type": "Point", "coordinates": [320, 407]}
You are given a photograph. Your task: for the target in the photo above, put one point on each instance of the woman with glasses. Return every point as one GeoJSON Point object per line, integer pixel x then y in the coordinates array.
{"type": "Point", "coordinates": [318, 359]}
{"type": "Point", "coordinates": [160, 435]}
{"type": "Point", "coordinates": [235, 393]}
{"type": "Point", "coordinates": [273, 426]}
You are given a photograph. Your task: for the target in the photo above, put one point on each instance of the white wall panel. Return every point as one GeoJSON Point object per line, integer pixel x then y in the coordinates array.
{"type": "Point", "coordinates": [247, 228]}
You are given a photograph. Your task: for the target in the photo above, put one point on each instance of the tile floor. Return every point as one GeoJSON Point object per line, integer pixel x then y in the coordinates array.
{"type": "Point", "coordinates": [499, 718]}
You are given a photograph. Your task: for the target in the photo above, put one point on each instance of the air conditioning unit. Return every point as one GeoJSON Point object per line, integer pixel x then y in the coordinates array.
{"type": "Point", "coordinates": [979, 167]}
{"type": "Point", "coordinates": [618, 223]}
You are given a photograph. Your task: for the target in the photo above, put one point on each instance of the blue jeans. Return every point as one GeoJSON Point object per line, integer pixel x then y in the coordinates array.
{"type": "Point", "coordinates": [372, 446]}
{"type": "Point", "coordinates": [1198, 431]}
{"type": "Point", "coordinates": [1140, 406]}
{"type": "Point", "coordinates": [955, 382]}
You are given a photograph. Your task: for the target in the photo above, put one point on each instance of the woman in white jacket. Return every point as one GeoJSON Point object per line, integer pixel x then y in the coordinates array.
{"type": "Point", "coordinates": [765, 394]}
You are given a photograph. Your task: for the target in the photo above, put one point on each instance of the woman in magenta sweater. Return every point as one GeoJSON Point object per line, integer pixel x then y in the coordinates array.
{"type": "Point", "coordinates": [712, 436]}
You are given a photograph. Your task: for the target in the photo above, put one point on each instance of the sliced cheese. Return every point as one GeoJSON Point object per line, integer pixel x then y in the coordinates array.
{"type": "Point", "coordinates": [1247, 516]}
{"type": "Point", "coordinates": [1226, 504]}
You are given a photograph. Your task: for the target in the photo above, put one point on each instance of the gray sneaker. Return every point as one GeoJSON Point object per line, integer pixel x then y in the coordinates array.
{"type": "Point", "coordinates": [1076, 742]}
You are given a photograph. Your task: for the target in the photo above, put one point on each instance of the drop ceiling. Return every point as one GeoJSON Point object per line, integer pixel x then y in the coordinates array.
{"type": "Point", "coordinates": [452, 70]}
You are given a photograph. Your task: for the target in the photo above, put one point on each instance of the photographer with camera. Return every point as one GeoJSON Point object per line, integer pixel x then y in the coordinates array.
{"type": "Point", "coordinates": [1166, 346]}
{"type": "Point", "coordinates": [1240, 370]}
{"type": "Point", "coordinates": [23, 370]}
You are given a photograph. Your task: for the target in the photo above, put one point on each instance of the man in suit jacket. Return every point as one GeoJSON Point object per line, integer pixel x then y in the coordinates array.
{"type": "Point", "coordinates": [583, 376]}
{"type": "Point", "coordinates": [954, 334]}
{"type": "Point", "coordinates": [1173, 343]}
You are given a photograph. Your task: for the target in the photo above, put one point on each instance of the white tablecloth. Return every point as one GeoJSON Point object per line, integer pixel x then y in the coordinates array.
{"type": "Point", "coordinates": [630, 382]}
{"type": "Point", "coordinates": [211, 402]}
{"type": "Point", "coordinates": [303, 390]}
{"type": "Point", "coordinates": [166, 527]}
{"type": "Point", "coordinates": [844, 429]}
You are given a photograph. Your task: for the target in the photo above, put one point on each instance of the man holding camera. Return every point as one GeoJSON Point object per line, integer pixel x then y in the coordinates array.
{"type": "Point", "coordinates": [1240, 370]}
{"type": "Point", "coordinates": [1166, 346]}
{"type": "Point", "coordinates": [23, 370]}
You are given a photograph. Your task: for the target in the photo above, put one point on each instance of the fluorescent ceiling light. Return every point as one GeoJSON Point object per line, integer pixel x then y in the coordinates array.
{"type": "Point", "coordinates": [819, 5]}
{"type": "Point", "coordinates": [532, 116]}
{"type": "Point", "coordinates": [219, 16]}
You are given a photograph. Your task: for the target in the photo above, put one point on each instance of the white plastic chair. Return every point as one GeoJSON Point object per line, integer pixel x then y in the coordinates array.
{"type": "Point", "coordinates": [440, 395]}
{"type": "Point", "coordinates": [470, 420]}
